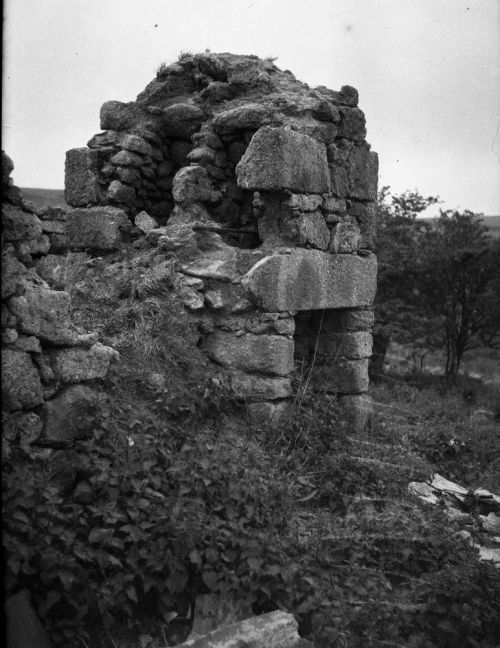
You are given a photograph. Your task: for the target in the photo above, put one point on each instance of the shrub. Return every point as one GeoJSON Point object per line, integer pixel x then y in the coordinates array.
{"type": "Point", "coordinates": [158, 513]}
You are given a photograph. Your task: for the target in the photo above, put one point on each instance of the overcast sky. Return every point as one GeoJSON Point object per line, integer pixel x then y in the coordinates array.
{"type": "Point", "coordinates": [427, 71]}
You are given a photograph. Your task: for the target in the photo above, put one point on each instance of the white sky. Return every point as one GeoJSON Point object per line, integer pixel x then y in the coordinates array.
{"type": "Point", "coordinates": [427, 71]}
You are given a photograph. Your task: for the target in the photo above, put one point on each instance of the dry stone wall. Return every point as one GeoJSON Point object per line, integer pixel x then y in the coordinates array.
{"type": "Point", "coordinates": [46, 361]}
{"type": "Point", "coordinates": [263, 191]}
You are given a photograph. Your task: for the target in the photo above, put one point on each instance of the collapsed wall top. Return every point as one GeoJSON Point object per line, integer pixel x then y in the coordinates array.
{"type": "Point", "coordinates": [238, 117]}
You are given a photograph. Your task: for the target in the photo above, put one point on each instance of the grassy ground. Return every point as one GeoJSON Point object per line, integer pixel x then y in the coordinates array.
{"type": "Point", "coordinates": [311, 518]}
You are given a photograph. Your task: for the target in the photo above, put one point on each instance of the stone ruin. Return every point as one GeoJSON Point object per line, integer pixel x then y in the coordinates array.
{"type": "Point", "coordinates": [46, 360]}
{"type": "Point", "coordinates": [258, 188]}
{"type": "Point", "coordinates": [263, 191]}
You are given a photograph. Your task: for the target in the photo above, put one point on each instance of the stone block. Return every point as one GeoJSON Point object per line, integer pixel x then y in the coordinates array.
{"type": "Point", "coordinates": [135, 143]}
{"type": "Point", "coordinates": [12, 271]}
{"type": "Point", "coordinates": [109, 138]}
{"type": "Point", "coordinates": [28, 343]}
{"type": "Point", "coordinates": [21, 386]}
{"type": "Point", "coordinates": [366, 217]}
{"type": "Point", "coordinates": [191, 184]}
{"type": "Point", "coordinates": [353, 124]}
{"type": "Point", "coordinates": [19, 225]}
{"type": "Point", "coordinates": [333, 205]}
{"type": "Point", "coordinates": [341, 376]}
{"type": "Point", "coordinates": [127, 159]}
{"type": "Point", "coordinates": [120, 193]}
{"type": "Point", "coordinates": [345, 237]}
{"type": "Point", "coordinates": [324, 133]}
{"type": "Point", "coordinates": [182, 120]}
{"type": "Point", "coordinates": [267, 354]}
{"type": "Point", "coordinates": [351, 345]}
{"type": "Point", "coordinates": [260, 324]}
{"type": "Point", "coordinates": [202, 155]}
{"type": "Point", "coordinates": [363, 174]}
{"type": "Point", "coordinates": [271, 630]}
{"type": "Point", "coordinates": [248, 117]}
{"type": "Point", "coordinates": [76, 364]}
{"type": "Point", "coordinates": [252, 388]}
{"type": "Point", "coordinates": [96, 227]}
{"type": "Point", "coordinates": [119, 116]}
{"type": "Point", "coordinates": [81, 186]}
{"type": "Point", "coordinates": [9, 336]}
{"type": "Point", "coordinates": [54, 226]}
{"type": "Point", "coordinates": [305, 230]}
{"type": "Point", "coordinates": [339, 179]}
{"type": "Point", "coordinates": [312, 280]}
{"type": "Point", "coordinates": [44, 313]}
{"type": "Point", "coordinates": [303, 202]}
{"type": "Point", "coordinates": [347, 96]}
{"type": "Point", "coordinates": [35, 247]}
{"type": "Point", "coordinates": [350, 319]}
{"type": "Point", "coordinates": [131, 175]}
{"type": "Point", "coordinates": [278, 159]}
{"type": "Point", "coordinates": [20, 429]}
{"type": "Point", "coordinates": [145, 222]}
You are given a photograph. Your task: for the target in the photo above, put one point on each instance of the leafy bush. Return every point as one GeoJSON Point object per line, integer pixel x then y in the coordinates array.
{"type": "Point", "coordinates": [156, 514]}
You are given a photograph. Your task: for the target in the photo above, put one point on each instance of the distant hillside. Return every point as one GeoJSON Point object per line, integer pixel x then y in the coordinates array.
{"type": "Point", "coordinates": [493, 224]}
{"type": "Point", "coordinates": [45, 197]}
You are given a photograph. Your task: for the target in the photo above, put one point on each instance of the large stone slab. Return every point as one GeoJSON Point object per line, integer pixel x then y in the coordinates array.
{"type": "Point", "coordinates": [312, 280]}
{"type": "Point", "coordinates": [96, 227]}
{"type": "Point", "coordinates": [278, 158]}
{"type": "Point", "coordinates": [81, 187]}
{"type": "Point", "coordinates": [267, 354]}
{"type": "Point", "coordinates": [272, 630]}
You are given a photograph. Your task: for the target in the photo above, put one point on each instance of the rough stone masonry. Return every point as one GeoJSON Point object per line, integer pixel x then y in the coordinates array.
{"type": "Point", "coordinates": [263, 190]}
{"type": "Point", "coordinates": [46, 360]}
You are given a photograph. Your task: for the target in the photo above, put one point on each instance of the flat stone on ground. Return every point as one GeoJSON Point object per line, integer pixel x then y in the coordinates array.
{"type": "Point", "coordinates": [272, 630]}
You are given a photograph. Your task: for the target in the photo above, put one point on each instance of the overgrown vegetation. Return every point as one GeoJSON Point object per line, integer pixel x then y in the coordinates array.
{"type": "Point", "coordinates": [171, 498]}
{"type": "Point", "coordinates": [439, 281]}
